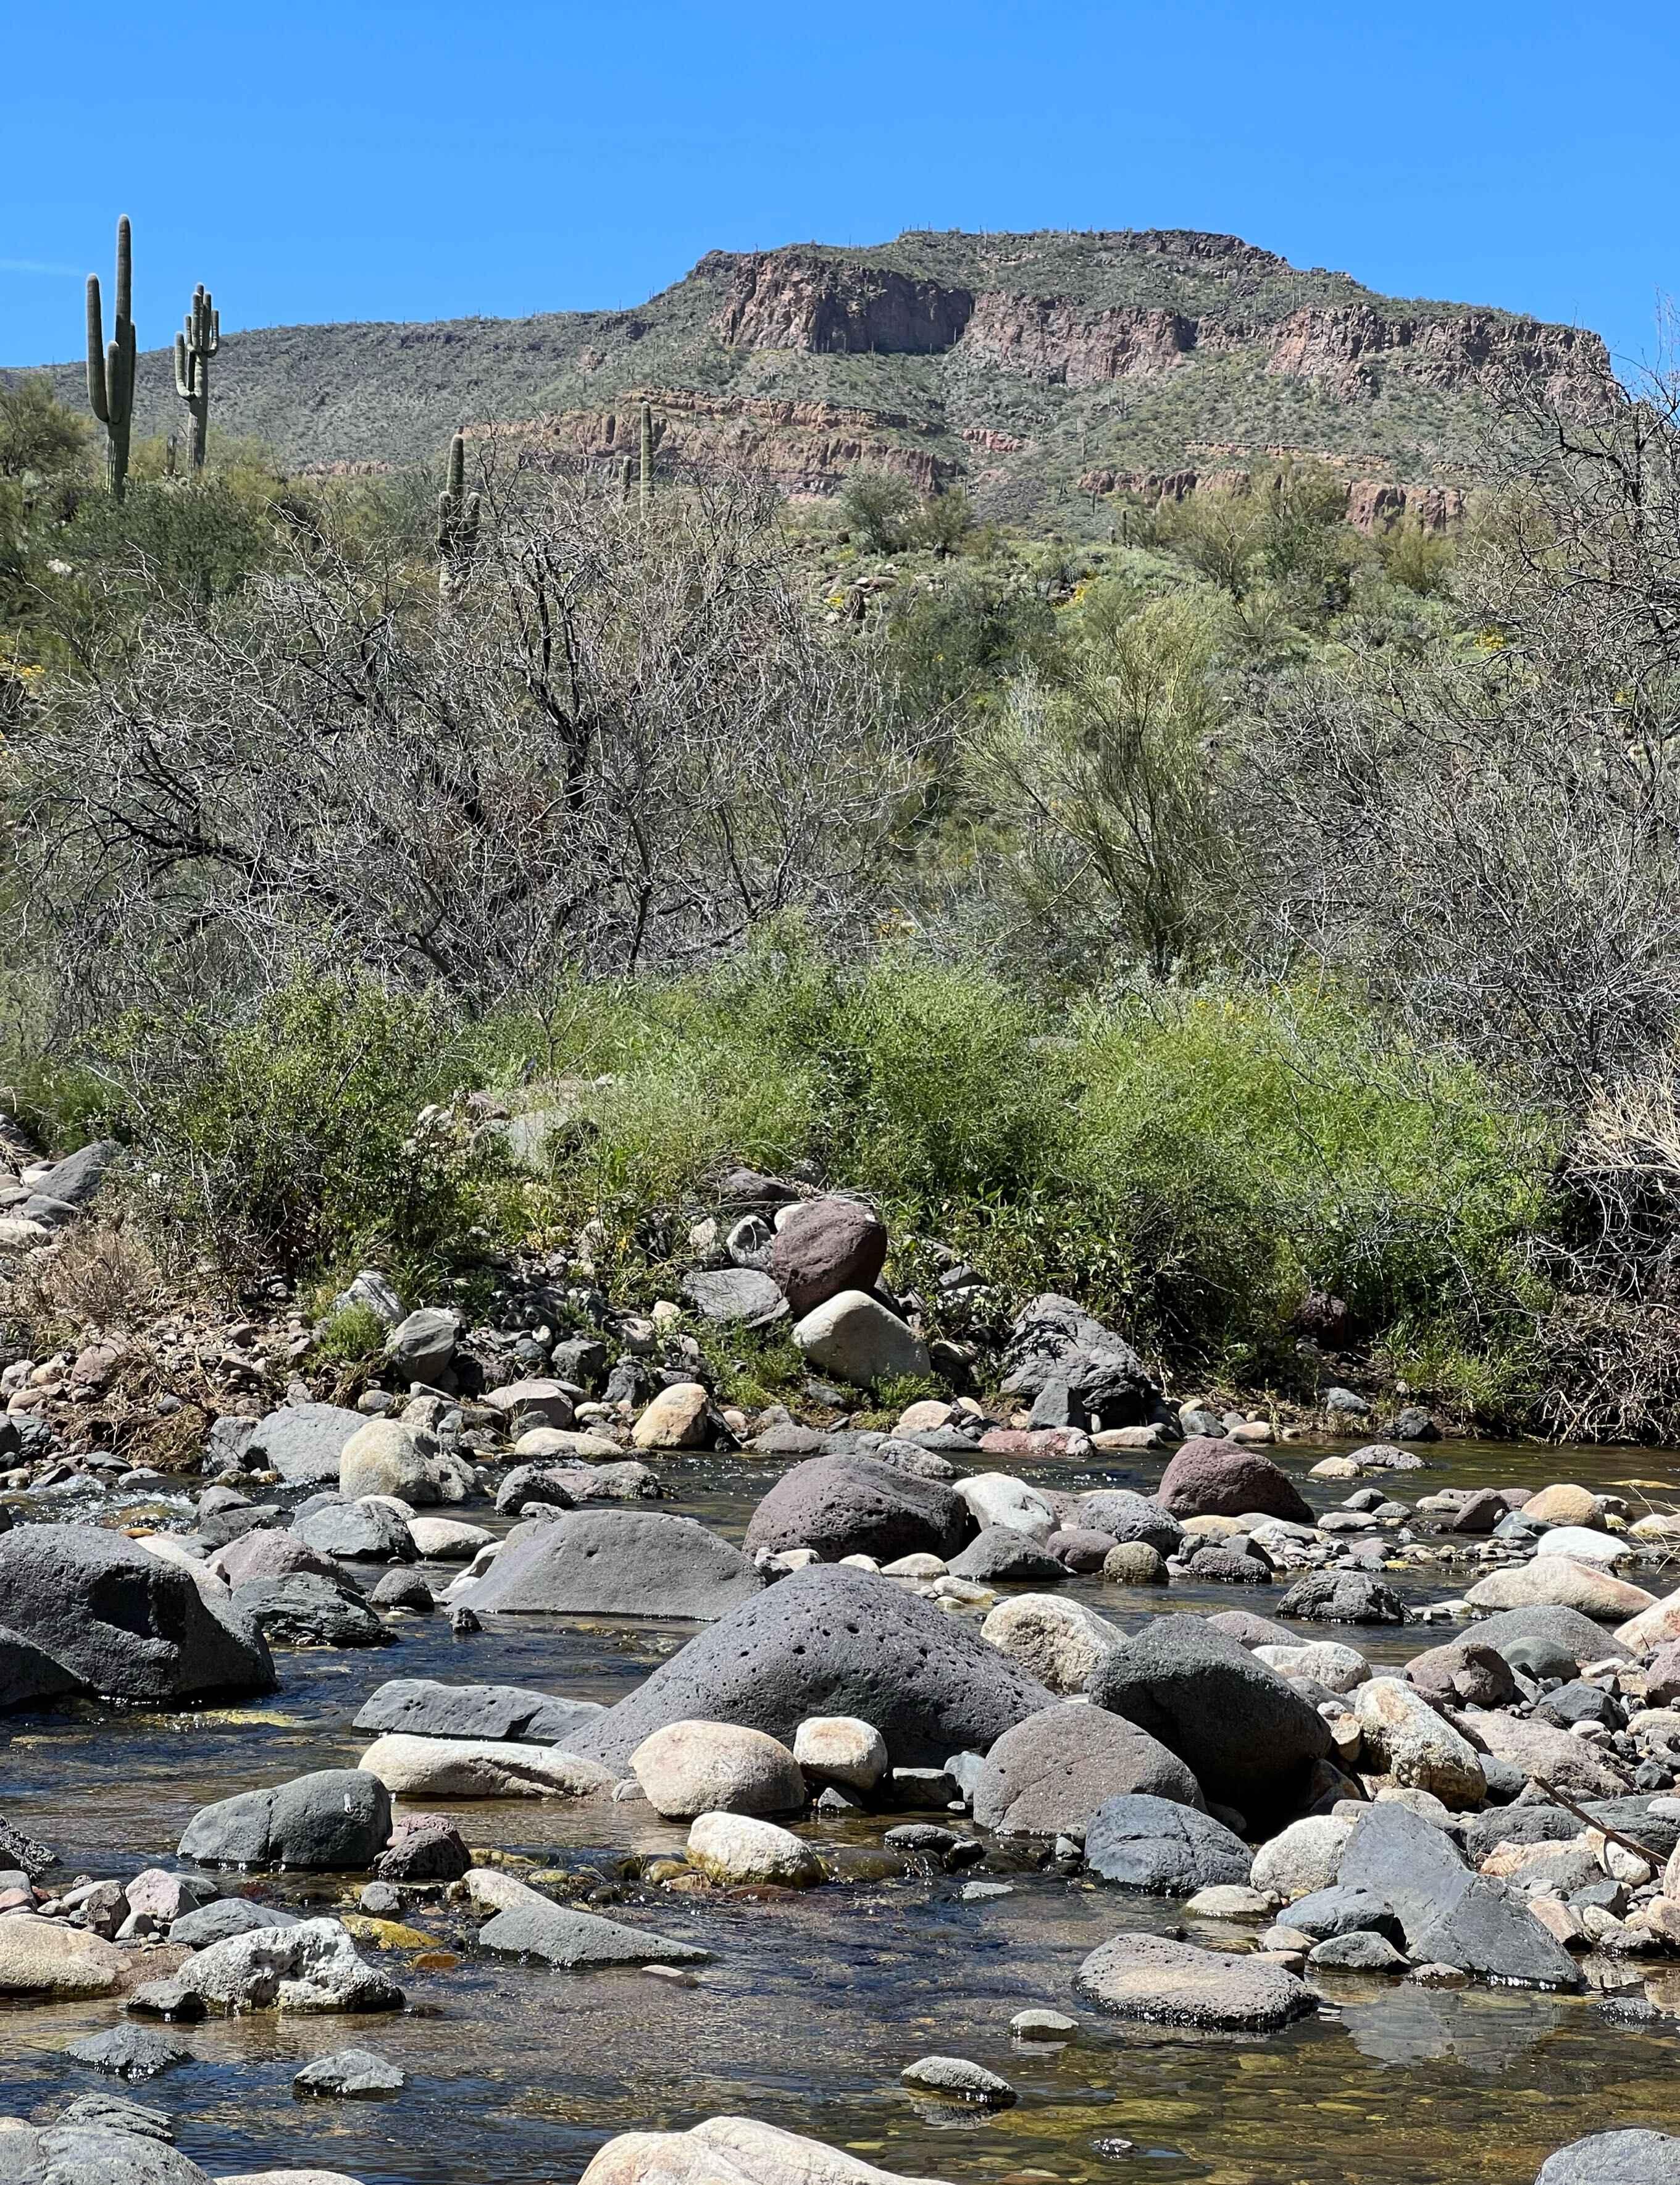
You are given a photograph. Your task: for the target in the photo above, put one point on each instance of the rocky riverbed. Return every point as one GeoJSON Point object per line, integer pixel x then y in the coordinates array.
{"type": "Point", "coordinates": [529, 1781]}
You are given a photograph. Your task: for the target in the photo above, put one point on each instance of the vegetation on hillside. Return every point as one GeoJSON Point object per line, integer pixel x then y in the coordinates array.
{"type": "Point", "coordinates": [1260, 930]}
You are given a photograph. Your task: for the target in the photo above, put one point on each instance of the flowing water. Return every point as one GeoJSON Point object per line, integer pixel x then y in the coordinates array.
{"type": "Point", "coordinates": [812, 2005]}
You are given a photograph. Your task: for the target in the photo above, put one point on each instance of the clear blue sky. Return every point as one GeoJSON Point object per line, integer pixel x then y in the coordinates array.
{"type": "Point", "coordinates": [353, 160]}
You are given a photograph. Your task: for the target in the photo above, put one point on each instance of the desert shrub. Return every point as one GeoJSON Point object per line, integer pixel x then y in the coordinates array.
{"type": "Point", "coordinates": [879, 506]}
{"type": "Point", "coordinates": [353, 1336]}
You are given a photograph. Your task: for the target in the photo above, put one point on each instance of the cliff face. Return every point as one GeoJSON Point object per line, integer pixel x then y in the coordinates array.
{"type": "Point", "coordinates": [802, 299]}
{"type": "Point", "coordinates": [1022, 366]}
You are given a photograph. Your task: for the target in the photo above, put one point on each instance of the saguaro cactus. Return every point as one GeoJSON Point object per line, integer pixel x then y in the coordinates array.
{"type": "Point", "coordinates": [194, 346]}
{"type": "Point", "coordinates": [110, 369]}
{"type": "Point", "coordinates": [647, 456]}
{"type": "Point", "coordinates": [457, 523]}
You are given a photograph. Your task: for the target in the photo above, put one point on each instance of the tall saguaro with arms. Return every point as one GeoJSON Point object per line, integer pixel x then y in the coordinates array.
{"type": "Point", "coordinates": [194, 346]}
{"type": "Point", "coordinates": [110, 369]}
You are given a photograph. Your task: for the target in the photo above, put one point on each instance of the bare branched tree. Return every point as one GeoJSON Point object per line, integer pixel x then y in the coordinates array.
{"type": "Point", "coordinates": [626, 743]}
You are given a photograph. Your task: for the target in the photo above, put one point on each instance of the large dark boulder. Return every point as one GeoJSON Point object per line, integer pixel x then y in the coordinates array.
{"type": "Point", "coordinates": [121, 1622]}
{"type": "Point", "coordinates": [368, 1531]}
{"type": "Point", "coordinates": [1411, 1865]}
{"type": "Point", "coordinates": [29, 1677]}
{"type": "Point", "coordinates": [1048, 1775]}
{"type": "Point", "coordinates": [614, 1562]}
{"type": "Point", "coordinates": [1094, 1389]}
{"type": "Point", "coordinates": [831, 1640]}
{"type": "Point", "coordinates": [1051, 1332]}
{"type": "Point", "coordinates": [73, 1181]}
{"type": "Point", "coordinates": [1000, 1556]}
{"type": "Point", "coordinates": [1164, 1982]}
{"type": "Point", "coordinates": [337, 1818]}
{"type": "Point", "coordinates": [1212, 1477]}
{"type": "Point", "coordinates": [851, 1506]}
{"type": "Point", "coordinates": [420, 1708]}
{"type": "Point", "coordinates": [1488, 1930]}
{"type": "Point", "coordinates": [1565, 1628]}
{"type": "Point", "coordinates": [1249, 1735]}
{"type": "Point", "coordinates": [1163, 1848]}
{"type": "Point", "coordinates": [826, 1246]}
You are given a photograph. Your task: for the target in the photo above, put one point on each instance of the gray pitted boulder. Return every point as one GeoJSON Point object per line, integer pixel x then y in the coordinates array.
{"type": "Point", "coordinates": [121, 1622]}
{"type": "Point", "coordinates": [1054, 1345]}
{"type": "Point", "coordinates": [302, 1443]}
{"type": "Point", "coordinates": [826, 1246]}
{"type": "Point", "coordinates": [339, 1818]}
{"type": "Point", "coordinates": [1614, 2158]}
{"type": "Point", "coordinates": [1249, 1735]}
{"type": "Point", "coordinates": [851, 1506]}
{"type": "Point", "coordinates": [1342, 1596]}
{"type": "Point", "coordinates": [1048, 1775]}
{"type": "Point", "coordinates": [1125, 1516]}
{"type": "Point", "coordinates": [832, 1640]}
{"type": "Point", "coordinates": [614, 1562]}
{"type": "Point", "coordinates": [1163, 1847]}
{"type": "Point", "coordinates": [421, 1709]}
{"type": "Point", "coordinates": [305, 1610]}
{"type": "Point", "coordinates": [1219, 1479]}
{"type": "Point", "coordinates": [95, 2142]}
{"type": "Point", "coordinates": [1093, 1389]}
{"type": "Point", "coordinates": [355, 1532]}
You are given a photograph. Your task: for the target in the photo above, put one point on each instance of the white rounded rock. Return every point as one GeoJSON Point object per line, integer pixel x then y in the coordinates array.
{"type": "Point", "coordinates": [691, 1768]}
{"type": "Point", "coordinates": [843, 1749]}
{"type": "Point", "coordinates": [1057, 1640]}
{"type": "Point", "coordinates": [735, 1849]}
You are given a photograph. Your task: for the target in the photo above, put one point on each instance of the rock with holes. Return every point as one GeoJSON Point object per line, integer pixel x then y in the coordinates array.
{"type": "Point", "coordinates": [831, 1639]}
{"type": "Point", "coordinates": [851, 1506]}
{"type": "Point", "coordinates": [312, 1965]}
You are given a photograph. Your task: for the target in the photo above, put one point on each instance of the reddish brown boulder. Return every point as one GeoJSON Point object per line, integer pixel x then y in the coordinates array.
{"type": "Point", "coordinates": [826, 1246]}
{"type": "Point", "coordinates": [1219, 1479]}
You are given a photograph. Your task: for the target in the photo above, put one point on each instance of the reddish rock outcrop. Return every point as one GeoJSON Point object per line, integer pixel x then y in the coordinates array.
{"type": "Point", "coordinates": [804, 299]}
{"type": "Point", "coordinates": [1065, 345]}
{"type": "Point", "coordinates": [1351, 347]}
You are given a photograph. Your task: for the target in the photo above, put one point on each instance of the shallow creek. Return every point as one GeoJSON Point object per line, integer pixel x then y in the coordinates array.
{"type": "Point", "coordinates": [812, 2007]}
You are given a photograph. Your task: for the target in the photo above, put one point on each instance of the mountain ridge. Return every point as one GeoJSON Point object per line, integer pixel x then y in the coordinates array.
{"type": "Point", "coordinates": [1039, 369]}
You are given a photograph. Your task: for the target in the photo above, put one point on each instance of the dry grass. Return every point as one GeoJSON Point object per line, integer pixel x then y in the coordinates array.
{"type": "Point", "coordinates": [104, 1279]}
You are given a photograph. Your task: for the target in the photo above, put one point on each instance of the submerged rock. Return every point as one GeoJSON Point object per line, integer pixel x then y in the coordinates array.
{"type": "Point", "coordinates": [1164, 1982]}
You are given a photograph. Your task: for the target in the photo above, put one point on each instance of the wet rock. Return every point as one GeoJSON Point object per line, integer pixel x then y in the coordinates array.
{"type": "Point", "coordinates": [696, 1767]}
{"type": "Point", "coordinates": [352, 2074]}
{"type": "Point", "coordinates": [461, 1767]}
{"type": "Point", "coordinates": [1000, 1556]}
{"type": "Point", "coordinates": [354, 1532]}
{"type": "Point", "coordinates": [423, 1708]}
{"type": "Point", "coordinates": [535, 1483]}
{"type": "Point", "coordinates": [1395, 1855]}
{"type": "Point", "coordinates": [531, 1927]}
{"type": "Point", "coordinates": [336, 1818]}
{"type": "Point", "coordinates": [29, 1677]}
{"type": "Point", "coordinates": [1249, 1736]}
{"type": "Point", "coordinates": [130, 2052]}
{"type": "Point", "coordinates": [615, 1562]}
{"type": "Point", "coordinates": [448, 1539]}
{"type": "Point", "coordinates": [1216, 1479]}
{"type": "Point", "coordinates": [120, 1622]}
{"type": "Point", "coordinates": [731, 2151]}
{"type": "Point", "coordinates": [1079, 1549]}
{"type": "Point", "coordinates": [848, 1505]}
{"type": "Point", "coordinates": [1338, 1911]}
{"type": "Point", "coordinates": [954, 2079]}
{"type": "Point", "coordinates": [825, 1247]}
{"type": "Point", "coordinates": [423, 1848]}
{"type": "Point", "coordinates": [1060, 1642]}
{"type": "Point", "coordinates": [1043, 2025]}
{"type": "Point", "coordinates": [1216, 1564]}
{"type": "Point", "coordinates": [1050, 1773]}
{"type": "Point", "coordinates": [305, 1610]}
{"type": "Point", "coordinates": [832, 1640]}
{"type": "Point", "coordinates": [1152, 1979]}
{"type": "Point", "coordinates": [1359, 1951]}
{"type": "Point", "coordinates": [854, 1336]}
{"type": "Point", "coordinates": [1486, 1931]}
{"type": "Point", "coordinates": [1161, 1847]}
{"type": "Point", "coordinates": [736, 1851]}
{"type": "Point", "coordinates": [1342, 1596]}
{"type": "Point", "coordinates": [311, 1966]}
